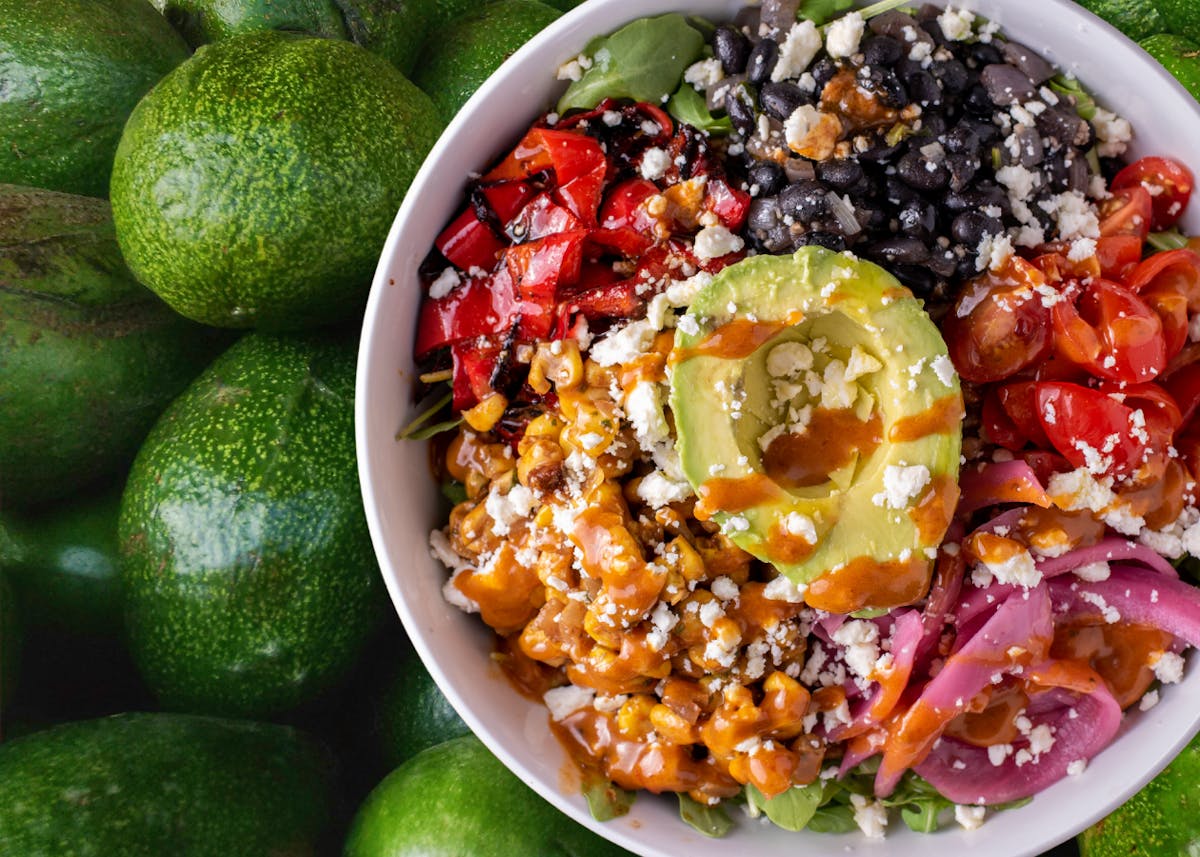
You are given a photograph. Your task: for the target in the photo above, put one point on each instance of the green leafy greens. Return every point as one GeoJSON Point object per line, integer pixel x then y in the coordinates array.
{"type": "Point", "coordinates": [710, 820]}
{"type": "Point", "coordinates": [607, 800]}
{"type": "Point", "coordinates": [421, 429]}
{"type": "Point", "coordinates": [1085, 105]}
{"type": "Point", "coordinates": [689, 106]}
{"type": "Point", "coordinates": [644, 60]}
{"type": "Point", "coordinates": [791, 810]}
{"type": "Point", "coordinates": [1164, 241]}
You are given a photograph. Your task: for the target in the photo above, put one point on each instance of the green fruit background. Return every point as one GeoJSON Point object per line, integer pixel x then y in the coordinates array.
{"type": "Point", "coordinates": [196, 652]}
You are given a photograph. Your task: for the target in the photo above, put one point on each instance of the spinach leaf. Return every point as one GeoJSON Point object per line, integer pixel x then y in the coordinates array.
{"type": "Point", "coordinates": [644, 60]}
{"type": "Point", "coordinates": [822, 11]}
{"type": "Point", "coordinates": [791, 810]}
{"type": "Point", "coordinates": [710, 820]}
{"type": "Point", "coordinates": [1164, 241]}
{"type": "Point", "coordinates": [689, 106]}
{"type": "Point", "coordinates": [607, 800]}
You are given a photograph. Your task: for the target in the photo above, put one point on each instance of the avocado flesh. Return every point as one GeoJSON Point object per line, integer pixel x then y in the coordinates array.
{"type": "Point", "coordinates": [867, 554]}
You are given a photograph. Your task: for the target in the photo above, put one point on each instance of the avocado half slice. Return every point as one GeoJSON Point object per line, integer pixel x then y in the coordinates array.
{"type": "Point", "coordinates": [819, 419]}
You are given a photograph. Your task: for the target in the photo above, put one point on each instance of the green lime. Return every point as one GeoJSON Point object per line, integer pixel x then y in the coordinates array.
{"type": "Point", "coordinates": [204, 21]}
{"type": "Point", "coordinates": [457, 799]}
{"type": "Point", "coordinates": [1182, 17]}
{"type": "Point", "coordinates": [1135, 18]}
{"type": "Point", "coordinates": [470, 48]}
{"type": "Point", "coordinates": [1162, 819]}
{"type": "Point", "coordinates": [70, 73]}
{"type": "Point", "coordinates": [254, 186]}
{"type": "Point", "coordinates": [412, 713]}
{"type": "Point", "coordinates": [1178, 55]}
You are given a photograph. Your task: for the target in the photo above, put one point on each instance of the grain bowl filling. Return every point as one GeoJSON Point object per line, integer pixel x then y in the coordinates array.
{"type": "Point", "coordinates": [817, 401]}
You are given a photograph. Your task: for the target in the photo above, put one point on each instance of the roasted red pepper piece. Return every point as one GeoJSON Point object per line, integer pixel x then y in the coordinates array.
{"type": "Point", "coordinates": [468, 243]}
{"type": "Point", "coordinates": [538, 269]}
{"type": "Point", "coordinates": [728, 203]}
{"type": "Point", "coordinates": [541, 218]}
{"type": "Point", "coordinates": [474, 364]}
{"type": "Point", "coordinates": [480, 306]}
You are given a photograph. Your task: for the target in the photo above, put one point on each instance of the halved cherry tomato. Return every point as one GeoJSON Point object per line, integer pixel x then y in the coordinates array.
{"type": "Point", "coordinates": [1089, 428]}
{"type": "Point", "coordinates": [996, 426]}
{"type": "Point", "coordinates": [1108, 330]}
{"type": "Point", "coordinates": [1168, 182]}
{"type": "Point", "coordinates": [1055, 263]}
{"type": "Point", "coordinates": [1019, 402]}
{"type": "Point", "coordinates": [1128, 211]}
{"type": "Point", "coordinates": [1184, 386]}
{"type": "Point", "coordinates": [1175, 270]}
{"type": "Point", "coordinates": [1118, 255]}
{"type": "Point", "coordinates": [1000, 325]}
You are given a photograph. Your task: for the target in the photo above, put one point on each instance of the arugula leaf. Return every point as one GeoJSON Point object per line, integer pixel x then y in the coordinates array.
{"type": "Point", "coordinates": [1085, 105]}
{"type": "Point", "coordinates": [607, 800]}
{"type": "Point", "coordinates": [834, 818]}
{"type": "Point", "coordinates": [417, 430]}
{"type": "Point", "coordinates": [791, 810]}
{"type": "Point", "coordinates": [922, 816]}
{"type": "Point", "coordinates": [688, 106]}
{"type": "Point", "coordinates": [822, 11]}
{"type": "Point", "coordinates": [1164, 241]}
{"type": "Point", "coordinates": [710, 820]}
{"type": "Point", "coordinates": [643, 60]}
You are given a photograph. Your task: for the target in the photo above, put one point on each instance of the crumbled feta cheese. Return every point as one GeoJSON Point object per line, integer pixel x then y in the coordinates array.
{"type": "Point", "coordinates": [957, 24]}
{"type": "Point", "coordinates": [943, 367]}
{"type": "Point", "coordinates": [800, 124]}
{"type": "Point", "coordinates": [1018, 569]}
{"type": "Point", "coordinates": [574, 69]}
{"type": "Point", "coordinates": [803, 42]}
{"type": "Point", "coordinates": [861, 363]}
{"type": "Point", "coordinates": [993, 252]}
{"type": "Point", "coordinates": [444, 284]}
{"type": "Point", "coordinates": [1081, 249]}
{"type": "Point", "coordinates": [837, 392]}
{"type": "Point", "coordinates": [844, 35]}
{"type": "Point", "coordinates": [655, 163]}
{"type": "Point", "coordinates": [713, 242]}
{"type": "Point", "coordinates": [860, 639]}
{"type": "Point", "coordinates": [870, 815]}
{"type": "Point", "coordinates": [704, 73]}
{"type": "Point", "coordinates": [969, 817]}
{"type": "Point", "coordinates": [657, 490]}
{"type": "Point", "coordinates": [1093, 572]}
{"type": "Point", "coordinates": [1113, 132]}
{"type": "Point", "coordinates": [506, 509]}
{"type": "Point", "coordinates": [800, 525]}
{"type": "Point", "coordinates": [901, 485]}
{"type": "Point", "coordinates": [644, 407]}
{"type": "Point", "coordinates": [782, 588]}
{"type": "Point", "coordinates": [1149, 700]}
{"type": "Point", "coordinates": [788, 359]}
{"type": "Point", "coordinates": [1168, 668]}
{"type": "Point", "coordinates": [681, 292]}
{"type": "Point", "coordinates": [565, 700]}
{"type": "Point", "coordinates": [624, 344]}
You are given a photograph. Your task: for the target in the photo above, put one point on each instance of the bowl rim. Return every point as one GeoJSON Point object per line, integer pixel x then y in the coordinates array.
{"type": "Point", "coordinates": [608, 15]}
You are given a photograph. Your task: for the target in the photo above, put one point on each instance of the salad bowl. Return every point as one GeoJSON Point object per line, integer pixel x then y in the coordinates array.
{"type": "Point", "coordinates": [403, 503]}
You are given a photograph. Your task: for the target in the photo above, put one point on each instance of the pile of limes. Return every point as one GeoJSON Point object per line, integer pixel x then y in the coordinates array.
{"type": "Point", "coordinates": [1169, 30]}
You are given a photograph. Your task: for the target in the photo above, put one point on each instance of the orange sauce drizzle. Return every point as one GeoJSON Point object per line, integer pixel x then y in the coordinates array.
{"type": "Point", "coordinates": [865, 582]}
{"type": "Point", "coordinates": [831, 442]}
{"type": "Point", "coordinates": [942, 417]}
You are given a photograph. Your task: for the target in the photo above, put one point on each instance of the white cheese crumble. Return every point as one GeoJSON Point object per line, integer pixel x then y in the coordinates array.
{"type": "Point", "coordinates": [800, 525]}
{"type": "Point", "coordinates": [782, 589]}
{"type": "Point", "coordinates": [1018, 569]}
{"type": "Point", "coordinates": [956, 24]}
{"type": "Point", "coordinates": [506, 509]}
{"type": "Point", "coordinates": [870, 815]}
{"type": "Point", "coordinates": [574, 69]}
{"type": "Point", "coordinates": [1113, 132]}
{"type": "Point", "coordinates": [943, 367]}
{"type": "Point", "coordinates": [901, 485]}
{"type": "Point", "coordinates": [655, 163]}
{"type": "Point", "coordinates": [803, 42]}
{"type": "Point", "coordinates": [993, 252]}
{"type": "Point", "coordinates": [713, 242]}
{"type": "Point", "coordinates": [969, 817]}
{"type": "Point", "coordinates": [1168, 668]}
{"type": "Point", "coordinates": [444, 284]}
{"type": "Point", "coordinates": [844, 35]}
{"type": "Point", "coordinates": [789, 358]}
{"type": "Point", "coordinates": [704, 73]}
{"type": "Point", "coordinates": [566, 700]}
{"type": "Point", "coordinates": [657, 489]}
{"type": "Point", "coordinates": [800, 124]}
{"type": "Point", "coordinates": [623, 345]}
{"type": "Point", "coordinates": [860, 641]}
{"type": "Point", "coordinates": [1094, 572]}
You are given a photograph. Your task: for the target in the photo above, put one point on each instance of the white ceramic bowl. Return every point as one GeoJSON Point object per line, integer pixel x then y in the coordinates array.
{"type": "Point", "coordinates": [403, 503]}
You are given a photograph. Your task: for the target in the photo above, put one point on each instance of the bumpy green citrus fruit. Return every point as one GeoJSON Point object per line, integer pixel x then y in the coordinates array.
{"type": "Point", "coordinates": [1180, 56]}
{"type": "Point", "coordinates": [254, 186]}
{"type": "Point", "coordinates": [1135, 18]}
{"type": "Point", "coordinates": [470, 48]}
{"type": "Point", "coordinates": [1182, 17]}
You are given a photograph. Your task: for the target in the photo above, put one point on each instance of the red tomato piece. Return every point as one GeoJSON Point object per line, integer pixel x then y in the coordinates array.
{"type": "Point", "coordinates": [1108, 330]}
{"type": "Point", "coordinates": [569, 154]}
{"type": "Point", "coordinates": [625, 207]}
{"type": "Point", "coordinates": [999, 325]}
{"type": "Point", "coordinates": [1090, 428]}
{"type": "Point", "coordinates": [1019, 403]}
{"type": "Point", "coordinates": [1127, 212]}
{"type": "Point", "coordinates": [539, 269]}
{"type": "Point", "coordinates": [1118, 255]}
{"type": "Point", "coordinates": [1184, 386]}
{"type": "Point", "coordinates": [1175, 271]}
{"type": "Point", "coordinates": [997, 427]}
{"type": "Point", "coordinates": [728, 203]}
{"type": "Point", "coordinates": [1168, 182]}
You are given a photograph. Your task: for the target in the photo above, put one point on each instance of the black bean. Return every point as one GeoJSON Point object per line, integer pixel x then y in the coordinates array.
{"type": "Point", "coordinates": [823, 71]}
{"type": "Point", "coordinates": [732, 49]}
{"type": "Point", "coordinates": [920, 173]}
{"type": "Point", "coordinates": [920, 280]}
{"type": "Point", "coordinates": [970, 227]}
{"type": "Point", "coordinates": [943, 263]}
{"type": "Point", "coordinates": [882, 51]}
{"type": "Point", "coordinates": [768, 176]}
{"type": "Point", "coordinates": [923, 88]}
{"type": "Point", "coordinates": [934, 29]}
{"type": "Point", "coordinates": [1006, 85]}
{"type": "Point", "coordinates": [764, 214]}
{"type": "Point", "coordinates": [839, 174]}
{"type": "Point", "coordinates": [917, 219]}
{"type": "Point", "coordinates": [900, 250]}
{"type": "Point", "coordinates": [739, 106]}
{"type": "Point", "coordinates": [1064, 125]}
{"type": "Point", "coordinates": [828, 240]}
{"type": "Point", "coordinates": [1077, 172]}
{"type": "Point", "coordinates": [803, 201]}
{"type": "Point", "coordinates": [1030, 151]}
{"type": "Point", "coordinates": [962, 140]}
{"type": "Point", "coordinates": [781, 100]}
{"type": "Point", "coordinates": [778, 239]}
{"type": "Point", "coordinates": [978, 102]}
{"type": "Point", "coordinates": [981, 54]}
{"type": "Point", "coordinates": [897, 193]}
{"type": "Point", "coordinates": [953, 76]}
{"type": "Point", "coordinates": [880, 151]}
{"type": "Point", "coordinates": [762, 61]}
{"type": "Point", "coordinates": [962, 170]}
{"type": "Point", "coordinates": [891, 91]}
{"type": "Point", "coordinates": [967, 267]}
{"type": "Point", "coordinates": [933, 124]}
{"type": "Point", "coordinates": [1030, 64]}
{"type": "Point", "coordinates": [898, 25]}
{"type": "Point", "coordinates": [780, 15]}
{"type": "Point", "coordinates": [980, 196]}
